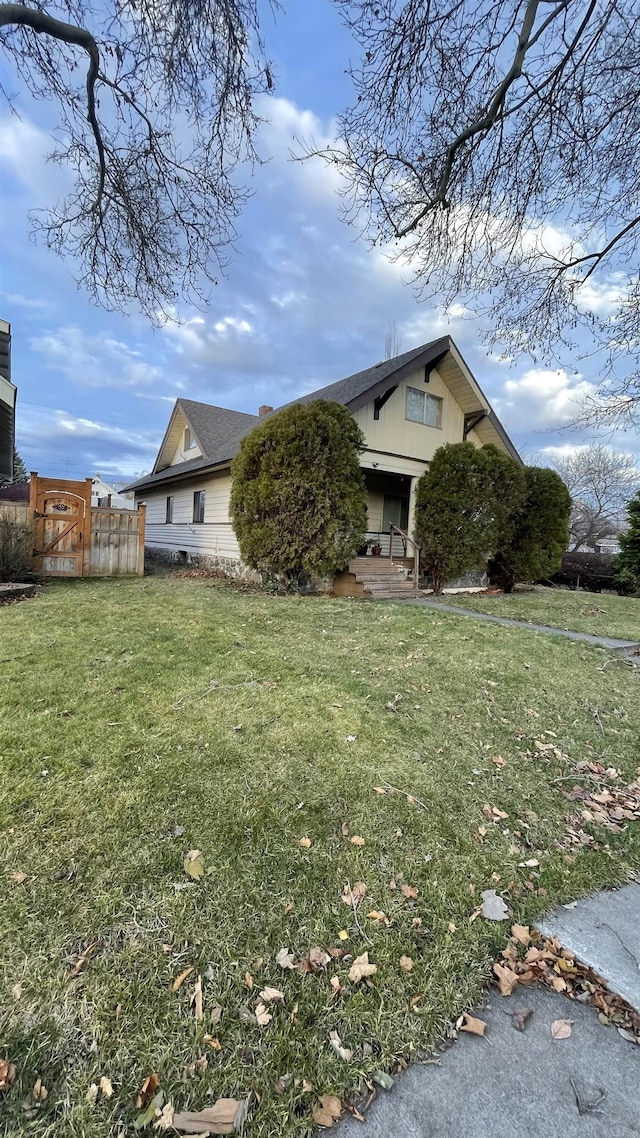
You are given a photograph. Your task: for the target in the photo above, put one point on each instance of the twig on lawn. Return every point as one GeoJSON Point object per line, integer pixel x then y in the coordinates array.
{"type": "Point", "coordinates": [214, 686]}
{"type": "Point", "coordinates": [24, 655]}
{"type": "Point", "coordinates": [405, 793]}
{"type": "Point", "coordinates": [577, 778]}
{"type": "Point", "coordinates": [355, 915]}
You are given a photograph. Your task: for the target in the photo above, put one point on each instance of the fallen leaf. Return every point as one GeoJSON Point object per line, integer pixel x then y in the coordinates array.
{"type": "Point", "coordinates": [305, 843]}
{"type": "Point", "coordinates": [530, 863]}
{"type": "Point", "coordinates": [263, 1015]}
{"type": "Point", "coordinates": [226, 1116]}
{"type": "Point", "coordinates": [343, 934]}
{"type": "Point", "coordinates": [336, 986]}
{"type": "Point", "coordinates": [344, 829]}
{"type": "Point", "coordinates": [352, 894]}
{"type": "Point", "coordinates": [16, 991]}
{"type": "Point", "coordinates": [318, 957]}
{"type": "Point", "coordinates": [571, 905]}
{"type": "Point", "coordinates": [416, 999]}
{"type": "Point", "coordinates": [327, 1111]}
{"type": "Point", "coordinates": [194, 864]}
{"type": "Point", "coordinates": [486, 810]}
{"type": "Point", "coordinates": [521, 933]}
{"type": "Point", "coordinates": [350, 739]}
{"type": "Point", "coordinates": [92, 1094]}
{"type": "Point", "coordinates": [164, 1121]}
{"type": "Point", "coordinates": [628, 1035]}
{"type": "Point", "coordinates": [482, 831]}
{"type": "Point", "coordinates": [379, 916]}
{"type": "Point", "coordinates": [272, 996]}
{"type": "Point", "coordinates": [336, 1043]}
{"type": "Point", "coordinates": [7, 1074]}
{"type": "Point", "coordinates": [215, 1013]}
{"type": "Point", "coordinates": [39, 1092]}
{"type": "Point", "coordinates": [81, 960]}
{"type": "Point", "coordinates": [561, 1028]}
{"type": "Point", "coordinates": [257, 964]}
{"type": "Point", "coordinates": [379, 790]}
{"type": "Point", "coordinates": [521, 1018]}
{"type": "Point", "coordinates": [248, 979]}
{"type": "Point", "coordinates": [383, 1080]}
{"type": "Point", "coordinates": [451, 927]}
{"type": "Point", "coordinates": [409, 891]}
{"type": "Point", "coordinates": [180, 979]}
{"type": "Point", "coordinates": [472, 1025]}
{"type": "Point", "coordinates": [417, 921]}
{"type": "Point", "coordinates": [499, 761]}
{"type": "Point", "coordinates": [18, 876]}
{"type": "Point", "coordinates": [106, 1088]}
{"type": "Point", "coordinates": [147, 1091]}
{"type": "Point", "coordinates": [283, 1084]}
{"type": "Point", "coordinates": [499, 813]}
{"type": "Point", "coordinates": [361, 968]}
{"type": "Point", "coordinates": [285, 958]}
{"type": "Point", "coordinates": [197, 999]}
{"type": "Point", "coordinates": [356, 840]}
{"type": "Point", "coordinates": [406, 963]}
{"type": "Point", "coordinates": [493, 906]}
{"type": "Point", "coordinates": [289, 907]}
{"type": "Point", "coordinates": [152, 1110]}
{"type": "Point", "coordinates": [507, 979]}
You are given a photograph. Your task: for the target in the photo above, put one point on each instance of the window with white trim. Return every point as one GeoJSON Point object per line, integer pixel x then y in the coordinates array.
{"type": "Point", "coordinates": [169, 514]}
{"type": "Point", "coordinates": [422, 407]}
{"type": "Point", "coordinates": [189, 441]}
{"type": "Point", "coordinates": [198, 506]}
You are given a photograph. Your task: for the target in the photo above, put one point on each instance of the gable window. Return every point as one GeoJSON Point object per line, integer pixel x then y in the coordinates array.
{"type": "Point", "coordinates": [189, 441]}
{"type": "Point", "coordinates": [423, 408]}
{"type": "Point", "coordinates": [198, 506]}
{"type": "Point", "coordinates": [169, 514]}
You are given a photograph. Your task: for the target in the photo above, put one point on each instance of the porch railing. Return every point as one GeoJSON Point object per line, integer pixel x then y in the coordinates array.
{"type": "Point", "coordinates": [404, 537]}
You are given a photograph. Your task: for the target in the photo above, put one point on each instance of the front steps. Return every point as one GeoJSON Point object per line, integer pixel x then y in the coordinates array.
{"type": "Point", "coordinates": [374, 578]}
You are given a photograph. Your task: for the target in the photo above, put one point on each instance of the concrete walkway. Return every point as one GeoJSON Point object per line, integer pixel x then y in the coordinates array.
{"type": "Point", "coordinates": [526, 1084]}
{"type": "Point", "coordinates": [620, 647]}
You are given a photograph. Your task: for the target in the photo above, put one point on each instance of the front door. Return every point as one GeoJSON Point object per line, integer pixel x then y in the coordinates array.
{"type": "Point", "coordinates": [61, 533]}
{"type": "Point", "coordinates": [395, 512]}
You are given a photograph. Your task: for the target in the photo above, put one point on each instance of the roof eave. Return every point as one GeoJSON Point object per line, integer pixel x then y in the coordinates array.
{"type": "Point", "coordinates": [437, 350]}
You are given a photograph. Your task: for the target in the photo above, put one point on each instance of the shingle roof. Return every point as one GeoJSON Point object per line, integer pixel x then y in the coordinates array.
{"type": "Point", "coordinates": [220, 431]}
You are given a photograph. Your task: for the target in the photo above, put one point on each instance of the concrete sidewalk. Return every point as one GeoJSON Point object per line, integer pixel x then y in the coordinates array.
{"type": "Point", "coordinates": [525, 1084]}
{"type": "Point", "coordinates": [620, 647]}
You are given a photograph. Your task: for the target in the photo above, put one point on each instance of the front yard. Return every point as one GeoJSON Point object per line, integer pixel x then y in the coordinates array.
{"type": "Point", "coordinates": [599, 613]}
{"type": "Point", "coordinates": [144, 719]}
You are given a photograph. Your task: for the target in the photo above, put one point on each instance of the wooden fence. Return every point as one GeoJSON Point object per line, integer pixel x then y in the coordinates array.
{"type": "Point", "coordinates": [72, 538]}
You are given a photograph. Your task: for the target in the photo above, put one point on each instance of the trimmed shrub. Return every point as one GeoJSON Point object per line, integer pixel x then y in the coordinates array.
{"type": "Point", "coordinates": [628, 560]}
{"type": "Point", "coordinates": [540, 532]}
{"type": "Point", "coordinates": [454, 521]}
{"type": "Point", "coordinates": [591, 571]}
{"type": "Point", "coordinates": [298, 501]}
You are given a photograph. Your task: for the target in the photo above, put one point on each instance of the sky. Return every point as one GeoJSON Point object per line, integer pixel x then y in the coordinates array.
{"type": "Point", "coordinates": [304, 301]}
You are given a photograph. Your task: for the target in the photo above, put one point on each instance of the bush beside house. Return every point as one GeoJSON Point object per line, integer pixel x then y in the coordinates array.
{"type": "Point", "coordinates": [298, 500]}
{"type": "Point", "coordinates": [540, 532]}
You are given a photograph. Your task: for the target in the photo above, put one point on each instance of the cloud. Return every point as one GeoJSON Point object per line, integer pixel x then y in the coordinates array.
{"type": "Point", "coordinates": [541, 398]}
{"type": "Point", "coordinates": [96, 361]}
{"type": "Point", "coordinates": [58, 443]}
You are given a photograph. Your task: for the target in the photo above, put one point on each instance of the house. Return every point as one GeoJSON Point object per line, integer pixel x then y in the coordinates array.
{"type": "Point", "coordinates": [407, 407]}
{"type": "Point", "coordinates": [102, 494]}
{"type": "Point", "coordinates": [8, 393]}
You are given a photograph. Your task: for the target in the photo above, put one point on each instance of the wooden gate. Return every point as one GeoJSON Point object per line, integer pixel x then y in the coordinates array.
{"type": "Point", "coordinates": [74, 539]}
{"type": "Point", "coordinates": [61, 511]}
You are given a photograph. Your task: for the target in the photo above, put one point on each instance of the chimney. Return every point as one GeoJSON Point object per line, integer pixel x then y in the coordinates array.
{"type": "Point", "coordinates": [264, 410]}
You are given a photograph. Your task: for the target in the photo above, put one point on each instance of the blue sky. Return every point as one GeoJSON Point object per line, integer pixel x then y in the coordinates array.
{"type": "Point", "coordinates": [304, 302]}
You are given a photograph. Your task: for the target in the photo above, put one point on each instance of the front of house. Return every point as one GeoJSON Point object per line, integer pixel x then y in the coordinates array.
{"type": "Point", "coordinates": [407, 407]}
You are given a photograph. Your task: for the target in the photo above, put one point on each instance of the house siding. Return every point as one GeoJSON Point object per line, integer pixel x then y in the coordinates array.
{"type": "Point", "coordinates": [394, 434]}
{"type": "Point", "coordinates": [212, 539]}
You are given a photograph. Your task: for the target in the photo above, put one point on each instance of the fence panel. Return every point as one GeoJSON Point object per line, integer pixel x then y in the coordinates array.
{"type": "Point", "coordinates": [117, 542]}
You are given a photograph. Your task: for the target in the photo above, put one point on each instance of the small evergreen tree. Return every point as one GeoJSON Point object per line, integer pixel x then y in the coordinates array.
{"type": "Point", "coordinates": [628, 561]}
{"type": "Point", "coordinates": [508, 489]}
{"type": "Point", "coordinates": [455, 516]}
{"type": "Point", "coordinates": [298, 500]}
{"type": "Point", "coordinates": [20, 472]}
{"type": "Point", "coordinates": [540, 532]}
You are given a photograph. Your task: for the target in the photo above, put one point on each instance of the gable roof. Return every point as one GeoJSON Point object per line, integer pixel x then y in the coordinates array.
{"type": "Point", "coordinates": [219, 431]}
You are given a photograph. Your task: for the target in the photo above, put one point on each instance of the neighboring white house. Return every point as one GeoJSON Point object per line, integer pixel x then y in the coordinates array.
{"type": "Point", "coordinates": [102, 494]}
{"type": "Point", "coordinates": [407, 407]}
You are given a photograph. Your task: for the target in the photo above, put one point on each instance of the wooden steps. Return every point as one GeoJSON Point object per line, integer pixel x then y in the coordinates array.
{"type": "Point", "coordinates": [374, 578]}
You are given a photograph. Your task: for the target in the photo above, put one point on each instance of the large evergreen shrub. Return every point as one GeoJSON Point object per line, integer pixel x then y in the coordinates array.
{"type": "Point", "coordinates": [628, 561]}
{"type": "Point", "coordinates": [540, 533]}
{"type": "Point", "coordinates": [298, 500]}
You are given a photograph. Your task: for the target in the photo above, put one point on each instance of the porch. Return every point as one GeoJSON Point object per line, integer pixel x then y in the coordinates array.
{"type": "Point", "coordinates": [389, 504]}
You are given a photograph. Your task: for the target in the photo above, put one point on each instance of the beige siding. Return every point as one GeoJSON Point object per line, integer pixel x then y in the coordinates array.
{"type": "Point", "coordinates": [375, 504]}
{"type": "Point", "coordinates": [395, 434]}
{"type": "Point", "coordinates": [213, 538]}
{"type": "Point", "coordinates": [182, 455]}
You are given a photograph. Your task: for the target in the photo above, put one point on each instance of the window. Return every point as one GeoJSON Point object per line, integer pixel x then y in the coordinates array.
{"type": "Point", "coordinates": [189, 441]}
{"type": "Point", "coordinates": [424, 408]}
{"type": "Point", "coordinates": [169, 515]}
{"type": "Point", "coordinates": [198, 506]}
